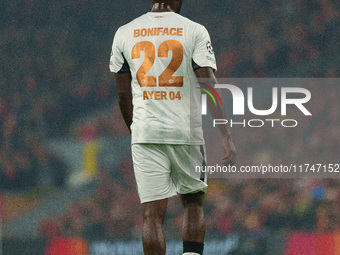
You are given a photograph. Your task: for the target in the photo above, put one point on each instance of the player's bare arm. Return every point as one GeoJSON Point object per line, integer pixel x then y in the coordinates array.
{"type": "Point", "coordinates": [124, 93]}
{"type": "Point", "coordinates": [218, 113]}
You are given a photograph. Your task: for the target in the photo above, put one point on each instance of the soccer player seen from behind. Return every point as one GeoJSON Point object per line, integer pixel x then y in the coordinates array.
{"type": "Point", "coordinates": [154, 59]}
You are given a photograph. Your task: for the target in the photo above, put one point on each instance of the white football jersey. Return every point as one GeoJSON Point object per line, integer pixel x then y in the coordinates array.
{"type": "Point", "coordinates": [161, 50]}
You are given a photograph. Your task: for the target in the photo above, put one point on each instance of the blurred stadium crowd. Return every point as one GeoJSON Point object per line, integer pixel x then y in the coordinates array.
{"type": "Point", "coordinates": [54, 69]}
{"type": "Point", "coordinates": [249, 205]}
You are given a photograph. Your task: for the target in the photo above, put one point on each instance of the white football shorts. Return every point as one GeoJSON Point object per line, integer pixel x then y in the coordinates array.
{"type": "Point", "coordinates": [163, 170]}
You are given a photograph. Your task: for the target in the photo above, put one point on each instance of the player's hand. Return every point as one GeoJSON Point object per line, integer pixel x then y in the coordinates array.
{"type": "Point", "coordinates": [229, 157]}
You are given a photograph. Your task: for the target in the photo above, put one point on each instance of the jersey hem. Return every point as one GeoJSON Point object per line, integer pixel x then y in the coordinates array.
{"type": "Point", "coordinates": [167, 142]}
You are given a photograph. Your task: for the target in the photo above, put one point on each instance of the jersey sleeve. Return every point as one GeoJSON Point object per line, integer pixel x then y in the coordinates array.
{"type": "Point", "coordinates": [118, 63]}
{"type": "Point", "coordinates": [203, 55]}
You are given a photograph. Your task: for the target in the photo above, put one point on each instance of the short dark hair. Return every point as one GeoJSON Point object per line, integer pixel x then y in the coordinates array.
{"type": "Point", "coordinates": [163, 1]}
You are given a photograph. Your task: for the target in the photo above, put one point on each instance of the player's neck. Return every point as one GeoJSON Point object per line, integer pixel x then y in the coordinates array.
{"type": "Point", "coordinates": [162, 7]}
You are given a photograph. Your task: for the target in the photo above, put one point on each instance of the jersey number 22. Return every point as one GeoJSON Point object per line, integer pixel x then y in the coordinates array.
{"type": "Point", "coordinates": [166, 79]}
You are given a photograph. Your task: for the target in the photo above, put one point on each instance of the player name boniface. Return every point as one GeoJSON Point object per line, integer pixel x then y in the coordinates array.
{"type": "Point", "coordinates": [158, 31]}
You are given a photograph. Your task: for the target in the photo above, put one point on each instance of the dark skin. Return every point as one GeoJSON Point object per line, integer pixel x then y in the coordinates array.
{"type": "Point", "coordinates": [218, 112]}
{"type": "Point", "coordinates": [124, 94]}
{"type": "Point", "coordinates": [166, 6]}
{"type": "Point", "coordinates": [154, 212]}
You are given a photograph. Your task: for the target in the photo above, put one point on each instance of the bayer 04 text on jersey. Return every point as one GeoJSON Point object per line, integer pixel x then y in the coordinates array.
{"type": "Point", "coordinates": [161, 95]}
